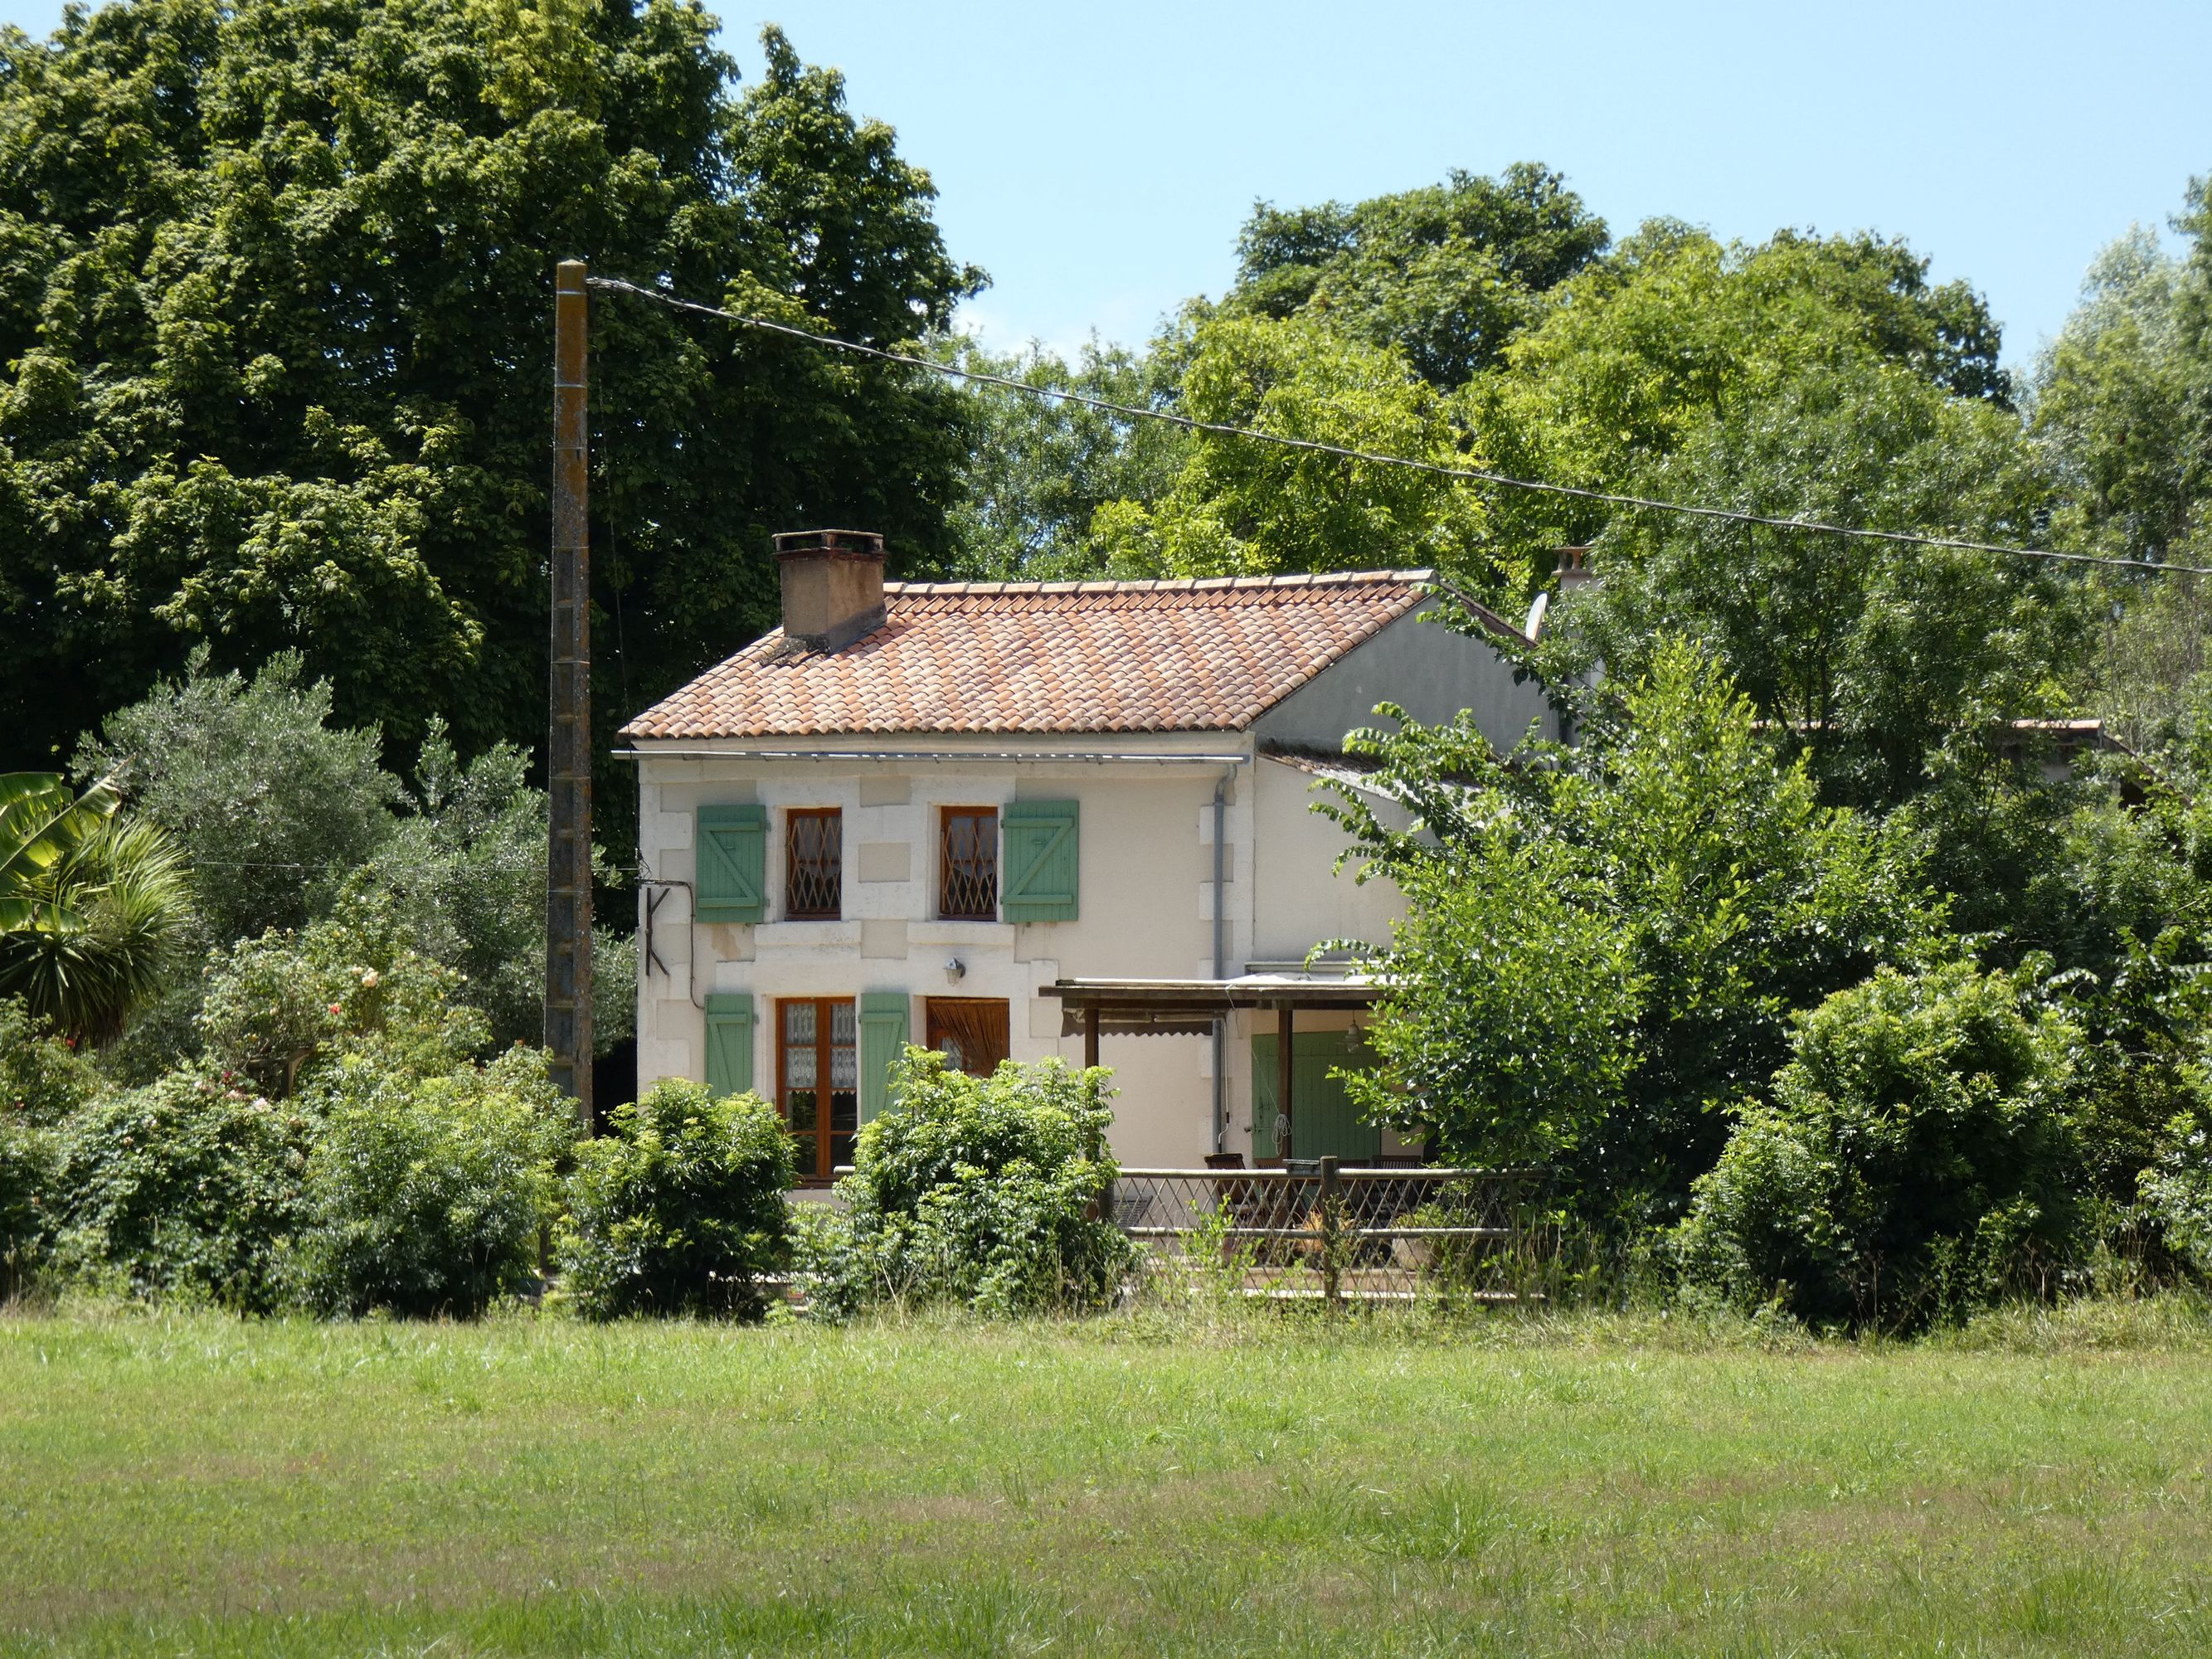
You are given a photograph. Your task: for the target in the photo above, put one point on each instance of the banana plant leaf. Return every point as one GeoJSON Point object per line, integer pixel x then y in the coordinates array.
{"type": "Point", "coordinates": [40, 821]}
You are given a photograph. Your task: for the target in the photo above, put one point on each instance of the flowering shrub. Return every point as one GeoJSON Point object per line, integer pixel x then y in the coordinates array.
{"type": "Point", "coordinates": [278, 1004]}
{"type": "Point", "coordinates": [981, 1191]}
{"type": "Point", "coordinates": [42, 1078]}
{"type": "Point", "coordinates": [425, 1195]}
{"type": "Point", "coordinates": [190, 1187]}
{"type": "Point", "coordinates": [680, 1209]}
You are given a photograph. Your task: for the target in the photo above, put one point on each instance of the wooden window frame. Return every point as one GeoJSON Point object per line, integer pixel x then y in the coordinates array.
{"type": "Point", "coordinates": [945, 875]}
{"type": "Point", "coordinates": [792, 818]}
{"type": "Point", "coordinates": [825, 1023]}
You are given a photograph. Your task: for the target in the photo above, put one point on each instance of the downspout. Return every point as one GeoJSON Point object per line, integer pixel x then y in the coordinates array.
{"type": "Point", "coordinates": [1220, 958]}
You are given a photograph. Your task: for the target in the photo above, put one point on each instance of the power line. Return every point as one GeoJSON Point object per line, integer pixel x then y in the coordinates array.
{"type": "Point", "coordinates": [1467, 474]}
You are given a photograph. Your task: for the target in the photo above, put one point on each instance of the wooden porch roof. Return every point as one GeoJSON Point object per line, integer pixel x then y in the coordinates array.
{"type": "Point", "coordinates": [1190, 1006]}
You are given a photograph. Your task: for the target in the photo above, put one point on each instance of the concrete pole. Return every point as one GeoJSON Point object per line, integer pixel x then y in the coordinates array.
{"type": "Point", "coordinates": [568, 696]}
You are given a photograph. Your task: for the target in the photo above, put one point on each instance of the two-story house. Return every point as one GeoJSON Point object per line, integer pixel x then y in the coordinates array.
{"type": "Point", "coordinates": [1026, 819]}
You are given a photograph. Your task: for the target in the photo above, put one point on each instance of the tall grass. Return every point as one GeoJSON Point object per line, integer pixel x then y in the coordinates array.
{"type": "Point", "coordinates": [1207, 1480]}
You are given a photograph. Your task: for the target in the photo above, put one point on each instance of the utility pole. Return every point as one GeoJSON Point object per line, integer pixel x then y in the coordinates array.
{"type": "Point", "coordinates": [569, 728]}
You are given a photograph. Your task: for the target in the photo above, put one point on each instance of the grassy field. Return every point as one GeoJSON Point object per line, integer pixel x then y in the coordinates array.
{"type": "Point", "coordinates": [197, 1486]}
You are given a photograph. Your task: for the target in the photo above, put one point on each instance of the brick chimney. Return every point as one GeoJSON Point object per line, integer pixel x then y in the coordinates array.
{"type": "Point", "coordinates": [833, 586]}
{"type": "Point", "coordinates": [1572, 566]}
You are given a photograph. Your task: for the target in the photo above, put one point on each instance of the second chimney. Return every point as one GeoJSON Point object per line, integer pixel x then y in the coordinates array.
{"type": "Point", "coordinates": [833, 586]}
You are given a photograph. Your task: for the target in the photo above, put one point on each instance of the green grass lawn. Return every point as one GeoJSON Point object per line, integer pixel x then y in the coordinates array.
{"type": "Point", "coordinates": [1143, 1485]}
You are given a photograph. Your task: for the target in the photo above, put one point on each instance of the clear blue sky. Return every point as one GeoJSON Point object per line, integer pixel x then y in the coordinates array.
{"type": "Point", "coordinates": [1097, 160]}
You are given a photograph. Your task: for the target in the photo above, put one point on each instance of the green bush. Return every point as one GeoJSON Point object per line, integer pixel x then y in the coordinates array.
{"type": "Point", "coordinates": [27, 1155]}
{"type": "Point", "coordinates": [2176, 1190]}
{"type": "Point", "coordinates": [681, 1208]}
{"type": "Point", "coordinates": [979, 1191]}
{"type": "Point", "coordinates": [1915, 1164]}
{"type": "Point", "coordinates": [425, 1196]}
{"type": "Point", "coordinates": [43, 1078]}
{"type": "Point", "coordinates": [186, 1187]}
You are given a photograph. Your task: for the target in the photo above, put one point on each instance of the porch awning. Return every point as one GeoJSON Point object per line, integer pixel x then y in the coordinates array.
{"type": "Point", "coordinates": [1190, 1006]}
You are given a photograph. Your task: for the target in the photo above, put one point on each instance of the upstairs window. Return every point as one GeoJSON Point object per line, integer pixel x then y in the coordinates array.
{"type": "Point", "coordinates": [814, 864]}
{"type": "Point", "coordinates": [968, 871]}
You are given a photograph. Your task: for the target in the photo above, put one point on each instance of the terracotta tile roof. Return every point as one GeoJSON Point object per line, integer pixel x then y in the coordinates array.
{"type": "Point", "coordinates": [1148, 656]}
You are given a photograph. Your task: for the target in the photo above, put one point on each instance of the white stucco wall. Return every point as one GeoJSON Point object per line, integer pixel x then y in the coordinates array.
{"type": "Point", "coordinates": [1426, 669]}
{"type": "Point", "coordinates": [1144, 910]}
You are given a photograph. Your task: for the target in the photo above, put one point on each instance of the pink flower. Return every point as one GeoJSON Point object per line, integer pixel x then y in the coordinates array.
{"type": "Point", "coordinates": [334, 1008]}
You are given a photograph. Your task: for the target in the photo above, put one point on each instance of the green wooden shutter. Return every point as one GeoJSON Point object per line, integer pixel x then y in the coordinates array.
{"type": "Point", "coordinates": [883, 1039]}
{"type": "Point", "coordinates": [729, 1042]}
{"type": "Point", "coordinates": [1324, 1121]}
{"type": "Point", "coordinates": [1040, 861]}
{"type": "Point", "coordinates": [733, 873]}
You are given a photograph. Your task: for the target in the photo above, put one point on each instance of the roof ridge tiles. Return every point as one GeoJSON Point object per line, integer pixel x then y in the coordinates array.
{"type": "Point", "coordinates": [1278, 581]}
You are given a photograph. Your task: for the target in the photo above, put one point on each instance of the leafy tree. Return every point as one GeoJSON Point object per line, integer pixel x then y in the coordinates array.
{"type": "Point", "coordinates": [1514, 995]}
{"type": "Point", "coordinates": [1445, 274]}
{"type": "Point", "coordinates": [1674, 329]}
{"type": "Point", "coordinates": [284, 819]}
{"type": "Point", "coordinates": [2122, 412]}
{"type": "Point", "coordinates": [1040, 468]}
{"type": "Point", "coordinates": [2116, 404]}
{"type": "Point", "coordinates": [1237, 507]}
{"type": "Point", "coordinates": [1604, 944]}
{"type": "Point", "coordinates": [1867, 654]}
{"type": "Point", "coordinates": [275, 284]}
{"type": "Point", "coordinates": [465, 877]}
{"type": "Point", "coordinates": [272, 806]}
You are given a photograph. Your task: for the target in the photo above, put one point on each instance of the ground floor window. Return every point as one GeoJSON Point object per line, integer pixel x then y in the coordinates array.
{"type": "Point", "coordinates": [970, 1032]}
{"type": "Point", "coordinates": [817, 1079]}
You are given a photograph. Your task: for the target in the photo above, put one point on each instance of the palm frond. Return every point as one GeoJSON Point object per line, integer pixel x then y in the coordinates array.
{"type": "Point", "coordinates": [116, 902]}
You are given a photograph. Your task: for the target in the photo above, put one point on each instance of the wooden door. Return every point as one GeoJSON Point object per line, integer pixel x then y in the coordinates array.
{"type": "Point", "coordinates": [817, 1079]}
{"type": "Point", "coordinates": [1324, 1121]}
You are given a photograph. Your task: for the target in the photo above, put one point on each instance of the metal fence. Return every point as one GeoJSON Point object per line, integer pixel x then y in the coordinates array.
{"type": "Point", "coordinates": [1318, 1231]}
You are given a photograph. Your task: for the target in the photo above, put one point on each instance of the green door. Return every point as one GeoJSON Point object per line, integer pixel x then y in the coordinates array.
{"type": "Point", "coordinates": [1324, 1122]}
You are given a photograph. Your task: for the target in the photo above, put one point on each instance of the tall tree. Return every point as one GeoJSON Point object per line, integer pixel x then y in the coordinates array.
{"type": "Point", "coordinates": [2122, 409]}
{"type": "Point", "coordinates": [1603, 944]}
{"type": "Point", "coordinates": [1675, 329]}
{"type": "Point", "coordinates": [1237, 506]}
{"type": "Point", "coordinates": [1865, 654]}
{"type": "Point", "coordinates": [1446, 274]}
{"type": "Point", "coordinates": [1040, 468]}
{"type": "Point", "coordinates": [275, 289]}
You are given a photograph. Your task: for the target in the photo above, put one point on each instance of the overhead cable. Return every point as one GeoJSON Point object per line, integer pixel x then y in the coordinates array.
{"type": "Point", "coordinates": [1467, 474]}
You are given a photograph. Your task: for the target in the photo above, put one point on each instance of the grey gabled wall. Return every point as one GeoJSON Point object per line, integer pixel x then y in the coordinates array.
{"type": "Point", "coordinates": [1427, 669]}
